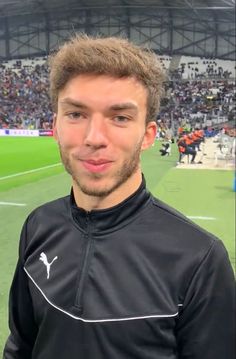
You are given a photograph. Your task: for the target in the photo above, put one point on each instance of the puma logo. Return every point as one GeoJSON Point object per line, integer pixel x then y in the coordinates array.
{"type": "Point", "coordinates": [44, 259]}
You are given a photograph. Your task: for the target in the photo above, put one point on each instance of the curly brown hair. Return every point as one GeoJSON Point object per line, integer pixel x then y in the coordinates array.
{"type": "Point", "coordinates": [112, 56]}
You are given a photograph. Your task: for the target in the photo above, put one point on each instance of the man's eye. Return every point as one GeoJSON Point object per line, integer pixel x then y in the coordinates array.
{"type": "Point", "coordinates": [74, 115]}
{"type": "Point", "coordinates": [121, 119]}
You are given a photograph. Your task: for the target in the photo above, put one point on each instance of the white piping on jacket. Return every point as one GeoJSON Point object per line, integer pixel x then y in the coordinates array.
{"type": "Point", "coordinates": [98, 320]}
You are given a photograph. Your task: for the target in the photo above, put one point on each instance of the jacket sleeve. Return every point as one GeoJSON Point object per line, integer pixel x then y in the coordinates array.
{"type": "Point", "coordinates": [23, 329]}
{"type": "Point", "coordinates": [206, 325]}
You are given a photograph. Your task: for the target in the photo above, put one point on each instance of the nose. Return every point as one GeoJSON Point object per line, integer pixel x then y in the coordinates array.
{"type": "Point", "coordinates": [96, 132]}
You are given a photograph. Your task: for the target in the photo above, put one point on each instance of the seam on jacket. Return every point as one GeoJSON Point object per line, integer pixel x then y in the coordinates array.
{"type": "Point", "coordinates": [204, 258]}
{"type": "Point", "coordinates": [98, 320]}
{"type": "Point", "coordinates": [173, 212]}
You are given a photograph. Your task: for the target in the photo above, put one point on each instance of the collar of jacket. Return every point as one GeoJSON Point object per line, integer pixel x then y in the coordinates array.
{"type": "Point", "coordinates": [113, 217]}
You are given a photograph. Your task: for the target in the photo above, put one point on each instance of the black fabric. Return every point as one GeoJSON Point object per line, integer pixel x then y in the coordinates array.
{"type": "Point", "coordinates": [138, 280]}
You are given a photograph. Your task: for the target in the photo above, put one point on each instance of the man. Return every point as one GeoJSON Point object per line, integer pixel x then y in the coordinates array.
{"type": "Point", "coordinates": [185, 144]}
{"type": "Point", "coordinates": [110, 272]}
{"type": "Point", "coordinates": [165, 148]}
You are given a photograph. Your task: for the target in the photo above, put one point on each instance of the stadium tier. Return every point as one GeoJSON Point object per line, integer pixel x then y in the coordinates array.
{"type": "Point", "coordinates": [198, 90]}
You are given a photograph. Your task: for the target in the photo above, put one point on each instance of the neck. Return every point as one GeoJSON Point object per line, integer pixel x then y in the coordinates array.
{"type": "Point", "coordinates": [125, 190]}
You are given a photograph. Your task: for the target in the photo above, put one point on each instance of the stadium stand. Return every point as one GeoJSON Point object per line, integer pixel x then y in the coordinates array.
{"type": "Point", "coordinates": [24, 94]}
{"type": "Point", "coordinates": [202, 68]}
{"type": "Point", "coordinates": [199, 92]}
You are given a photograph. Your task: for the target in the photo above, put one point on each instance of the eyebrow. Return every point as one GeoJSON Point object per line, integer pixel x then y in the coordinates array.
{"type": "Point", "coordinates": [124, 106]}
{"type": "Point", "coordinates": [70, 101]}
{"type": "Point", "coordinates": [116, 107]}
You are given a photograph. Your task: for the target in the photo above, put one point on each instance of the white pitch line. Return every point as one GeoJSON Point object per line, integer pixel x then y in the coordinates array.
{"type": "Point", "coordinates": [30, 171]}
{"type": "Point", "coordinates": [12, 204]}
{"type": "Point", "coordinates": [203, 218]}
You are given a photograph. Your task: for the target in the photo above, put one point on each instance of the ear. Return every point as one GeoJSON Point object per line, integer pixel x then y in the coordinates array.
{"type": "Point", "coordinates": [54, 127]}
{"type": "Point", "coordinates": [150, 135]}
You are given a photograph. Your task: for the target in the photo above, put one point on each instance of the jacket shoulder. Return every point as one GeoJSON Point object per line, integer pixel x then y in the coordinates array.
{"type": "Point", "coordinates": [181, 227]}
{"type": "Point", "coordinates": [51, 208]}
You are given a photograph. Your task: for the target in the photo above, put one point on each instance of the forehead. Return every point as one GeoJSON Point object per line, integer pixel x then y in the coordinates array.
{"type": "Point", "coordinates": [104, 88]}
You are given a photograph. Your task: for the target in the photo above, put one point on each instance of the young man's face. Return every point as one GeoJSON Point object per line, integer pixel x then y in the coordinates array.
{"type": "Point", "coordinates": [101, 129]}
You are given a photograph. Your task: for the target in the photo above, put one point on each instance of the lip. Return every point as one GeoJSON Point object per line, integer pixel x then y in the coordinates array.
{"type": "Point", "coordinates": [96, 166]}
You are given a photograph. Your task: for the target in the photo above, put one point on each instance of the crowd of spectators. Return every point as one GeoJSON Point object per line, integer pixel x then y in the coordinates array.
{"type": "Point", "coordinates": [24, 98]}
{"type": "Point", "coordinates": [197, 104]}
{"type": "Point", "coordinates": [207, 70]}
{"type": "Point", "coordinates": [197, 68]}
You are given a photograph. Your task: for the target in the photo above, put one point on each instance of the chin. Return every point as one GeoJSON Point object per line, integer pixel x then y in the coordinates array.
{"type": "Point", "coordinates": [100, 191]}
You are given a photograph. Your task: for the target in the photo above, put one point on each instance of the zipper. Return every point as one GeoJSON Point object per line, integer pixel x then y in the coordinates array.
{"type": "Point", "coordinates": [78, 300]}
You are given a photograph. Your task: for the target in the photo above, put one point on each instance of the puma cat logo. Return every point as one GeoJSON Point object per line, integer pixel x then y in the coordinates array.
{"type": "Point", "coordinates": [44, 259]}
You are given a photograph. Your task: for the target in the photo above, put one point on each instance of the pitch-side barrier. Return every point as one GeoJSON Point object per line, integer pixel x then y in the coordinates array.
{"type": "Point", "coordinates": [24, 133]}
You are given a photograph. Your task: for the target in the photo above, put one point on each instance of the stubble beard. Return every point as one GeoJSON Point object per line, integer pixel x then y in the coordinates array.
{"type": "Point", "coordinates": [126, 170]}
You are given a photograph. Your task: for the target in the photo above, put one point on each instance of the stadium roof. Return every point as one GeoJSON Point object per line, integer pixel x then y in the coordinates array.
{"type": "Point", "coordinates": [196, 27]}
{"type": "Point", "coordinates": [22, 7]}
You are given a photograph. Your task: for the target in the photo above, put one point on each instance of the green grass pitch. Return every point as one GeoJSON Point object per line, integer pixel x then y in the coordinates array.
{"type": "Point", "coordinates": [200, 194]}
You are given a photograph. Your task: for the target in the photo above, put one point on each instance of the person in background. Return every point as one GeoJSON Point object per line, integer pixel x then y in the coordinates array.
{"type": "Point", "coordinates": [186, 147]}
{"type": "Point", "coordinates": [165, 149]}
{"type": "Point", "coordinates": [110, 271]}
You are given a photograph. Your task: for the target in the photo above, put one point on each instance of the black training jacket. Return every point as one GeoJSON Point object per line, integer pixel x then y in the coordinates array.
{"type": "Point", "coordinates": [135, 281]}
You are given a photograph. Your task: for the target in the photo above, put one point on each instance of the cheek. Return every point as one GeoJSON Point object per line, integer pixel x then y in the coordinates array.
{"type": "Point", "coordinates": [129, 139]}
{"type": "Point", "coordinates": [121, 143]}
{"type": "Point", "coordinates": [128, 148]}
{"type": "Point", "coordinates": [67, 137]}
